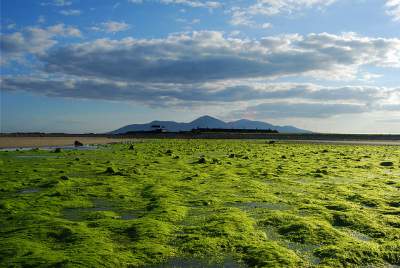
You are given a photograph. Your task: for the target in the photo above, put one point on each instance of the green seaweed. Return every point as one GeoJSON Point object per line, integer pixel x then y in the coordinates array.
{"type": "Point", "coordinates": [202, 203]}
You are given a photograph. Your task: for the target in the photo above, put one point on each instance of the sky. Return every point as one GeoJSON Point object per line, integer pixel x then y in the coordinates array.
{"type": "Point", "coordinates": [91, 66]}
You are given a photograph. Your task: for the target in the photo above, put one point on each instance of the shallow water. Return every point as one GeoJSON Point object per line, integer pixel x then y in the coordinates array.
{"type": "Point", "coordinates": [261, 205]}
{"type": "Point", "coordinates": [195, 263]}
{"type": "Point", "coordinates": [81, 214]}
{"type": "Point", "coordinates": [355, 234]}
{"type": "Point", "coordinates": [29, 191]}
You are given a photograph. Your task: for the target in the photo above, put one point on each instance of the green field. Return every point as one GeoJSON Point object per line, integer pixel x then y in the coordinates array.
{"type": "Point", "coordinates": [182, 203]}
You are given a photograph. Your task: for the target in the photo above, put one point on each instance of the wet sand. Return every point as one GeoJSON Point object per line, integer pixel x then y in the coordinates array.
{"type": "Point", "coordinates": [347, 142]}
{"type": "Point", "coordinates": [22, 142]}
{"type": "Point", "coordinates": [33, 142]}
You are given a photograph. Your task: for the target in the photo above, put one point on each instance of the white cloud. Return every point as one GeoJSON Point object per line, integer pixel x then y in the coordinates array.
{"type": "Point", "coordinates": [259, 100]}
{"type": "Point", "coordinates": [11, 26]}
{"type": "Point", "coordinates": [33, 40]}
{"type": "Point", "coordinates": [111, 27]}
{"type": "Point", "coordinates": [41, 19]}
{"type": "Point", "coordinates": [245, 15]}
{"type": "Point", "coordinates": [189, 3]}
{"type": "Point", "coordinates": [70, 12]}
{"type": "Point", "coordinates": [207, 68]}
{"type": "Point", "coordinates": [211, 56]}
{"type": "Point", "coordinates": [59, 3]}
{"type": "Point", "coordinates": [393, 9]}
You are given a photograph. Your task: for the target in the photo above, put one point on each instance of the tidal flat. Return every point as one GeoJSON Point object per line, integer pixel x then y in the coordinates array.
{"type": "Point", "coordinates": [201, 203]}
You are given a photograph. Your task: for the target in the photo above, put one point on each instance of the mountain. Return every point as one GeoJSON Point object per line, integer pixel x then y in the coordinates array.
{"type": "Point", "coordinates": [207, 122]}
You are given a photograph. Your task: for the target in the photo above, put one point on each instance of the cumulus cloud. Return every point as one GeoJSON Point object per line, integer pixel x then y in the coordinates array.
{"type": "Point", "coordinates": [59, 3]}
{"type": "Point", "coordinates": [301, 110]}
{"type": "Point", "coordinates": [245, 15]}
{"type": "Point", "coordinates": [393, 9]}
{"type": "Point", "coordinates": [277, 99]}
{"type": "Point", "coordinates": [210, 56]}
{"type": "Point", "coordinates": [111, 27]}
{"type": "Point", "coordinates": [33, 40]}
{"type": "Point", "coordinates": [189, 3]}
{"type": "Point", "coordinates": [70, 12]}
{"type": "Point", "coordinates": [209, 68]}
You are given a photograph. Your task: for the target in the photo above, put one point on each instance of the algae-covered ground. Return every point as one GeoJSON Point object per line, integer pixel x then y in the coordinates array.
{"type": "Point", "coordinates": [197, 203]}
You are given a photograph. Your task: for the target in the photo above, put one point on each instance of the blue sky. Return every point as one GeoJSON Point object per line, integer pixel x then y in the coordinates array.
{"type": "Point", "coordinates": [96, 65]}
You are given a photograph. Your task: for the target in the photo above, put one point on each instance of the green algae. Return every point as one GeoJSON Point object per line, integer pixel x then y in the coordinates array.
{"type": "Point", "coordinates": [201, 203]}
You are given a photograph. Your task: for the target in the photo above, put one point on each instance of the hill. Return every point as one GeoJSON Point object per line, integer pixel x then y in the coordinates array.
{"type": "Point", "coordinates": [206, 122]}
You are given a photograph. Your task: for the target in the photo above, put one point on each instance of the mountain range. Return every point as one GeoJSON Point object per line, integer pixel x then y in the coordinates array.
{"type": "Point", "coordinates": [207, 122]}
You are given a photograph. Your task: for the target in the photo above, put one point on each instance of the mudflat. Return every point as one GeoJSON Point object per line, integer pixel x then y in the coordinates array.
{"type": "Point", "coordinates": [9, 142]}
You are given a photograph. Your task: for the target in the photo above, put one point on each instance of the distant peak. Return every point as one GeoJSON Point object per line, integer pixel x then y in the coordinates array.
{"type": "Point", "coordinates": [206, 118]}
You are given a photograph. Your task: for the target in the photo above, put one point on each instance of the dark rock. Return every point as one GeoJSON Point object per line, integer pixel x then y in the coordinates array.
{"type": "Point", "coordinates": [78, 144]}
{"type": "Point", "coordinates": [110, 170]}
{"type": "Point", "coordinates": [387, 164]}
{"type": "Point", "coordinates": [202, 160]}
{"type": "Point", "coordinates": [64, 178]}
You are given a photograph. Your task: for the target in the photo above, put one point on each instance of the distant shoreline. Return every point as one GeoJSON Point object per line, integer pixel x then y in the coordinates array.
{"type": "Point", "coordinates": [24, 140]}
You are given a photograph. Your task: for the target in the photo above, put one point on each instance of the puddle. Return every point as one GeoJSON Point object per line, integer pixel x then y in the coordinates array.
{"type": "Point", "coordinates": [261, 205]}
{"type": "Point", "coordinates": [304, 250]}
{"type": "Point", "coordinates": [29, 191]}
{"type": "Point", "coordinates": [99, 205]}
{"type": "Point", "coordinates": [196, 263]}
{"type": "Point", "coordinates": [195, 214]}
{"type": "Point", "coordinates": [355, 234]}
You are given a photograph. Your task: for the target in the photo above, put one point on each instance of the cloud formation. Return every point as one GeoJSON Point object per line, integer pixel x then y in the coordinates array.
{"type": "Point", "coordinates": [58, 3]}
{"type": "Point", "coordinates": [33, 40]}
{"type": "Point", "coordinates": [277, 99]}
{"type": "Point", "coordinates": [189, 3]}
{"type": "Point", "coordinates": [210, 56]}
{"type": "Point", "coordinates": [70, 12]}
{"type": "Point", "coordinates": [209, 68]}
{"type": "Point", "coordinates": [245, 15]}
{"type": "Point", "coordinates": [393, 9]}
{"type": "Point", "coordinates": [111, 27]}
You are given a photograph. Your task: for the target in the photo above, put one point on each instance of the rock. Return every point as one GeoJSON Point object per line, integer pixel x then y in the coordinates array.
{"type": "Point", "coordinates": [202, 160]}
{"type": "Point", "coordinates": [387, 164]}
{"type": "Point", "coordinates": [64, 178]}
{"type": "Point", "coordinates": [78, 144]}
{"type": "Point", "coordinates": [110, 170]}
{"type": "Point", "coordinates": [215, 161]}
